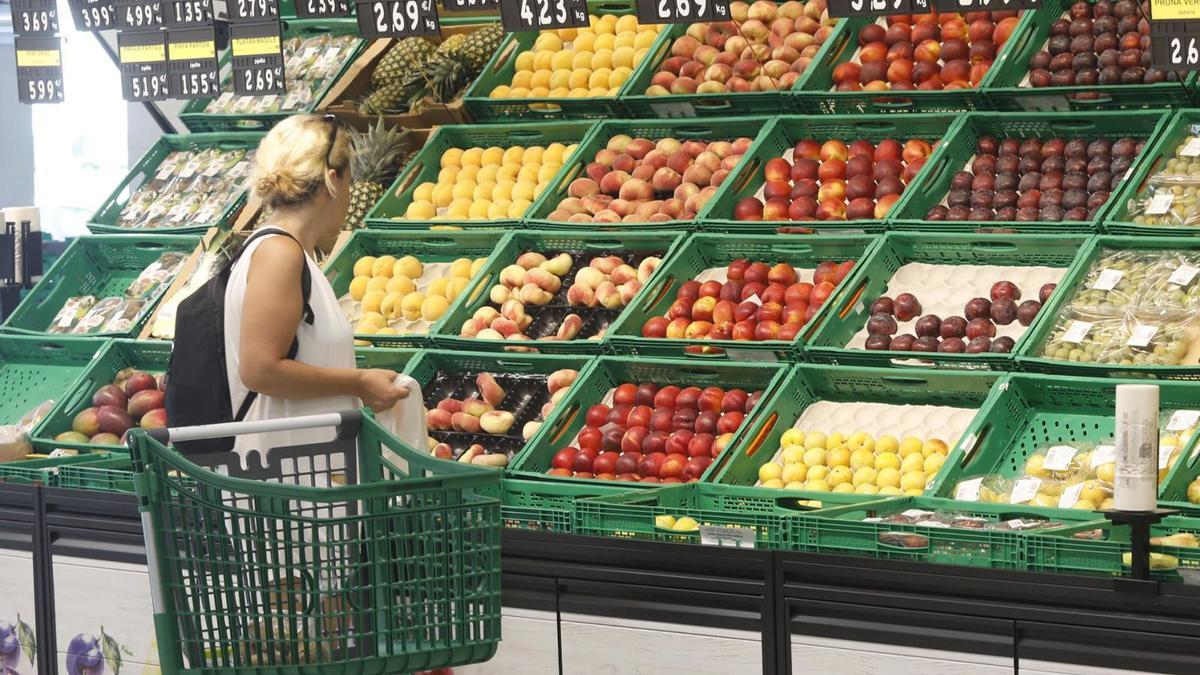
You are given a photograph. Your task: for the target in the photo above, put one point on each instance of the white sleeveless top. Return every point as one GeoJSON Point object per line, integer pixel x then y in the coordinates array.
{"type": "Point", "coordinates": [327, 343]}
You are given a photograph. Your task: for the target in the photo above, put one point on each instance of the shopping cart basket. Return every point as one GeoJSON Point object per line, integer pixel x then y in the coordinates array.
{"type": "Point", "coordinates": [359, 555]}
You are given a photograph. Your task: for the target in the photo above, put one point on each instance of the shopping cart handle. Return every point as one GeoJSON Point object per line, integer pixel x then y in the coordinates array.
{"type": "Point", "coordinates": [347, 422]}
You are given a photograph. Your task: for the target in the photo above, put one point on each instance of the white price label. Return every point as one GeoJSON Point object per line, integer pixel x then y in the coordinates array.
{"type": "Point", "coordinates": [735, 537]}
{"type": "Point", "coordinates": [755, 299]}
{"type": "Point", "coordinates": [224, 99]}
{"type": "Point", "coordinates": [1025, 490]}
{"type": "Point", "coordinates": [1164, 455]}
{"type": "Point", "coordinates": [164, 173]}
{"type": "Point", "coordinates": [1070, 496]}
{"type": "Point", "coordinates": [916, 514]}
{"type": "Point", "coordinates": [968, 490]}
{"type": "Point", "coordinates": [1104, 454]}
{"type": "Point", "coordinates": [1107, 280]}
{"type": "Point", "coordinates": [1160, 204]}
{"type": "Point", "coordinates": [934, 523]}
{"type": "Point", "coordinates": [1142, 335]}
{"type": "Point", "coordinates": [1183, 275]}
{"type": "Point", "coordinates": [1192, 148]}
{"type": "Point", "coordinates": [67, 319]}
{"type": "Point", "coordinates": [1183, 419]}
{"type": "Point", "coordinates": [751, 355]}
{"type": "Point", "coordinates": [189, 169]}
{"type": "Point", "coordinates": [1077, 331]}
{"type": "Point", "coordinates": [1059, 458]}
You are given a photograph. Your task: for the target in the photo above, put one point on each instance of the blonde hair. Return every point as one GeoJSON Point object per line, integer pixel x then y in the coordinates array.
{"type": "Point", "coordinates": [289, 165]}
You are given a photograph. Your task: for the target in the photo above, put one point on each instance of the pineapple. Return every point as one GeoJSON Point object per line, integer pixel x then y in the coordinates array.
{"type": "Point", "coordinates": [391, 97]}
{"type": "Point", "coordinates": [400, 60]}
{"type": "Point", "coordinates": [480, 46]}
{"type": "Point", "coordinates": [444, 78]}
{"type": "Point", "coordinates": [378, 155]}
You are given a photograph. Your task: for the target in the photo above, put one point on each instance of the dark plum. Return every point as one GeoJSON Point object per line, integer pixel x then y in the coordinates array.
{"type": "Point", "coordinates": [1027, 311]}
{"type": "Point", "coordinates": [1004, 311]}
{"type": "Point", "coordinates": [978, 308]}
{"type": "Point", "coordinates": [907, 306]}
{"type": "Point", "coordinates": [1045, 292]}
{"type": "Point", "coordinates": [925, 344]}
{"type": "Point", "coordinates": [928, 326]}
{"type": "Point", "coordinates": [979, 345]}
{"type": "Point", "coordinates": [952, 346]}
{"type": "Point", "coordinates": [977, 327]}
{"type": "Point", "coordinates": [1002, 345]}
{"type": "Point", "coordinates": [882, 305]}
{"type": "Point", "coordinates": [879, 342]}
{"type": "Point", "coordinates": [903, 342]}
{"type": "Point", "coordinates": [953, 326]}
{"type": "Point", "coordinates": [1004, 289]}
{"type": "Point", "coordinates": [881, 324]}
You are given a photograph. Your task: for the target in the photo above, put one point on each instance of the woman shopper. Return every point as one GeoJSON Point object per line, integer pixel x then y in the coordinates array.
{"type": "Point", "coordinates": [302, 172]}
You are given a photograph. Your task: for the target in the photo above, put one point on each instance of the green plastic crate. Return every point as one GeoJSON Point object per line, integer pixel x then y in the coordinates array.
{"type": "Point", "coordinates": [500, 69]}
{"type": "Point", "coordinates": [843, 530]}
{"type": "Point", "coordinates": [106, 475]}
{"type": "Point", "coordinates": [817, 96]}
{"type": "Point", "coordinates": [429, 247]}
{"type": "Point", "coordinates": [704, 251]}
{"type": "Point", "coordinates": [426, 164]}
{"type": "Point", "coordinates": [117, 355]}
{"type": "Point", "coordinates": [546, 506]}
{"type": "Point", "coordinates": [379, 357]}
{"type": "Point", "coordinates": [1172, 493]}
{"type": "Point", "coordinates": [1029, 356]}
{"type": "Point", "coordinates": [1154, 157]}
{"type": "Point", "coordinates": [848, 309]}
{"type": "Point", "coordinates": [104, 220]}
{"type": "Point", "coordinates": [633, 246]}
{"type": "Point", "coordinates": [100, 265]}
{"type": "Point", "coordinates": [34, 370]}
{"type": "Point", "coordinates": [1060, 552]}
{"type": "Point", "coordinates": [809, 383]}
{"type": "Point", "coordinates": [605, 373]}
{"type": "Point", "coordinates": [196, 120]}
{"type": "Point", "coordinates": [1002, 85]}
{"type": "Point", "coordinates": [443, 374]}
{"type": "Point", "coordinates": [706, 129]}
{"type": "Point", "coordinates": [1026, 413]}
{"type": "Point", "coordinates": [45, 470]}
{"type": "Point", "coordinates": [782, 134]}
{"type": "Point", "coordinates": [722, 104]}
{"type": "Point", "coordinates": [959, 148]}
{"type": "Point", "coordinates": [633, 514]}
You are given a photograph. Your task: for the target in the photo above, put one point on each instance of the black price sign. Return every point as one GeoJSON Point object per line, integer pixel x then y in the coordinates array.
{"type": "Point", "coordinates": [468, 5]}
{"type": "Point", "coordinates": [92, 15]}
{"type": "Point", "coordinates": [139, 14]}
{"type": "Point", "coordinates": [39, 69]}
{"type": "Point", "coordinates": [185, 13]}
{"type": "Point", "coordinates": [1175, 45]}
{"type": "Point", "coordinates": [521, 15]}
{"type": "Point", "coordinates": [682, 11]}
{"type": "Point", "coordinates": [318, 9]}
{"type": "Point", "coordinates": [252, 10]}
{"type": "Point", "coordinates": [397, 18]}
{"type": "Point", "coordinates": [34, 17]}
{"type": "Point", "coordinates": [143, 56]}
{"type": "Point", "coordinates": [984, 5]}
{"type": "Point", "coordinates": [192, 62]}
{"type": "Point", "coordinates": [256, 51]}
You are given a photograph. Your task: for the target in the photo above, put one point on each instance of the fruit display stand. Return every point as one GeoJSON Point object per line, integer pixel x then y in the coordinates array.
{"type": "Point", "coordinates": [1154, 175]}
{"type": "Point", "coordinates": [546, 506]}
{"type": "Point", "coordinates": [888, 168]}
{"type": "Point", "coordinates": [424, 176]}
{"type": "Point", "coordinates": [104, 267]}
{"type": "Point", "coordinates": [116, 359]}
{"type": "Point", "coordinates": [821, 93]}
{"type": "Point", "coordinates": [1007, 85]}
{"type": "Point", "coordinates": [748, 92]}
{"type": "Point", "coordinates": [435, 253]}
{"type": "Point", "coordinates": [215, 248]}
{"type": "Point", "coordinates": [1144, 325]}
{"type": "Point", "coordinates": [707, 258]}
{"type": "Point", "coordinates": [490, 404]}
{"type": "Point", "coordinates": [924, 266]}
{"type": "Point", "coordinates": [646, 163]}
{"type": "Point", "coordinates": [484, 107]}
{"type": "Point", "coordinates": [592, 405]}
{"type": "Point", "coordinates": [220, 207]}
{"type": "Point", "coordinates": [884, 405]}
{"type": "Point", "coordinates": [1039, 436]}
{"type": "Point", "coordinates": [924, 206]}
{"type": "Point", "coordinates": [196, 119]}
{"type": "Point", "coordinates": [929, 529]}
{"type": "Point", "coordinates": [554, 319]}
{"type": "Point", "coordinates": [1102, 548]}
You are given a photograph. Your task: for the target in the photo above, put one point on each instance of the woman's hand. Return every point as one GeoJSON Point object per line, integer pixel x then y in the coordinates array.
{"type": "Point", "coordinates": [377, 389]}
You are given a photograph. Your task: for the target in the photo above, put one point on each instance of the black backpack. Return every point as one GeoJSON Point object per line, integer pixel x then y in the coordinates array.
{"type": "Point", "coordinates": [198, 384]}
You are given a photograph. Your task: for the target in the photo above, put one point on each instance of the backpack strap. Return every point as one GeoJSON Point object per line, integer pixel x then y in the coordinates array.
{"type": "Point", "coordinates": [308, 316]}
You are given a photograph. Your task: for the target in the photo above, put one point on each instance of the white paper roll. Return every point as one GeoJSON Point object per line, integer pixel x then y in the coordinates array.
{"type": "Point", "coordinates": [17, 215]}
{"type": "Point", "coordinates": [1136, 433]}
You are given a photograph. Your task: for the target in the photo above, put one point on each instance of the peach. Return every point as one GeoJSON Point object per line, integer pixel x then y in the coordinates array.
{"type": "Point", "coordinates": [570, 327]}
{"type": "Point", "coordinates": [438, 419]}
{"type": "Point", "coordinates": [443, 451]}
{"type": "Point", "coordinates": [639, 148]}
{"type": "Point", "coordinates": [647, 209]}
{"type": "Point", "coordinates": [665, 180]}
{"type": "Point", "coordinates": [624, 162]}
{"type": "Point", "coordinates": [607, 216]}
{"type": "Point", "coordinates": [678, 327]}
{"type": "Point", "coordinates": [643, 172]}
{"type": "Point", "coordinates": [697, 329]}
{"type": "Point", "coordinates": [471, 328]}
{"type": "Point", "coordinates": [606, 264]}
{"type": "Point", "coordinates": [636, 189]}
{"type": "Point", "coordinates": [506, 327]}
{"type": "Point", "coordinates": [512, 310]}
{"type": "Point", "coordinates": [589, 276]}
{"type": "Point", "coordinates": [512, 276]}
{"type": "Point", "coordinates": [685, 47]}
{"type": "Point", "coordinates": [606, 156]}
{"type": "Point", "coordinates": [583, 187]}
{"type": "Point", "coordinates": [571, 205]}
{"type": "Point", "coordinates": [622, 207]}
{"type": "Point", "coordinates": [718, 72]}
{"type": "Point", "coordinates": [655, 158]}
{"type": "Point", "coordinates": [582, 295]}
{"type": "Point", "coordinates": [561, 379]}
{"type": "Point", "coordinates": [612, 182]}
{"type": "Point", "coordinates": [647, 267]}
{"type": "Point", "coordinates": [543, 280]}
{"type": "Point", "coordinates": [534, 295]}
{"type": "Point", "coordinates": [529, 429]}
{"type": "Point", "coordinates": [629, 290]}
{"type": "Point", "coordinates": [489, 334]}
{"type": "Point", "coordinates": [450, 405]}
{"type": "Point", "coordinates": [608, 295]}
{"type": "Point", "coordinates": [559, 265]}
{"type": "Point", "coordinates": [486, 314]}
{"type": "Point", "coordinates": [596, 203]}
{"type": "Point", "coordinates": [618, 142]}
{"type": "Point", "coordinates": [461, 421]}
{"type": "Point", "coordinates": [497, 421]}
{"type": "Point", "coordinates": [623, 273]}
